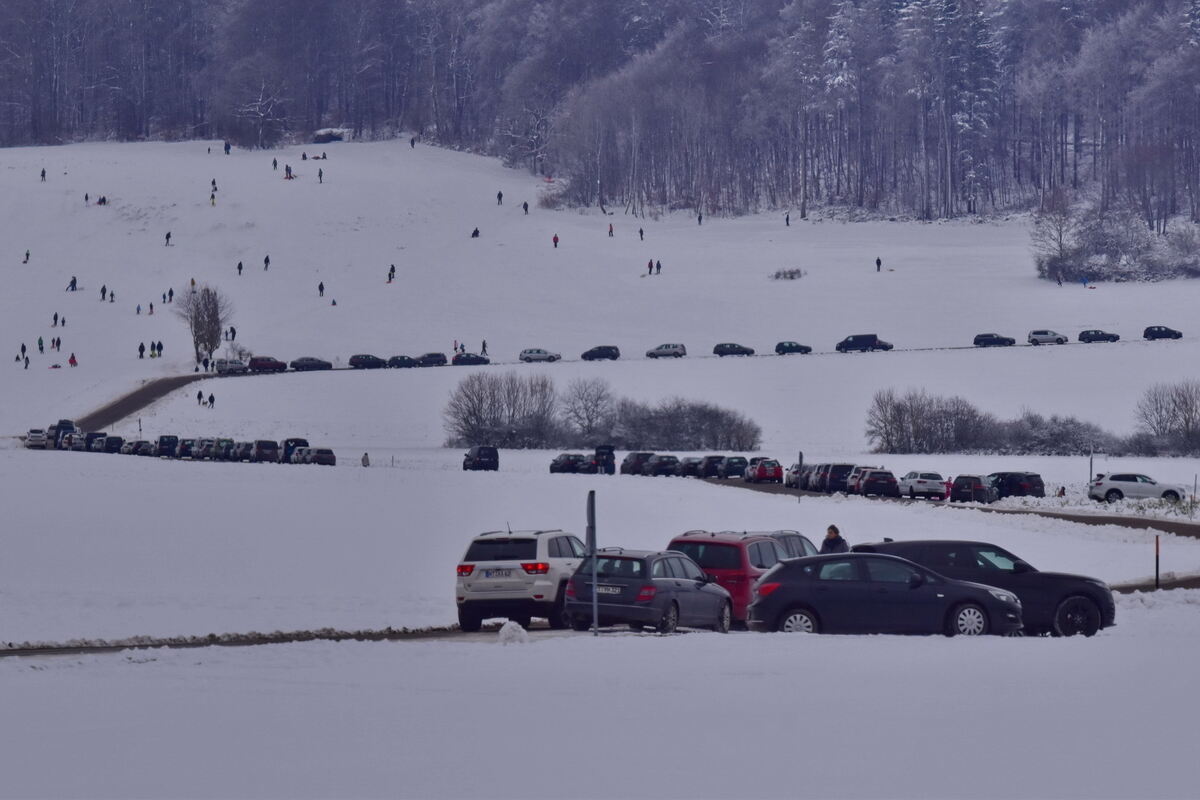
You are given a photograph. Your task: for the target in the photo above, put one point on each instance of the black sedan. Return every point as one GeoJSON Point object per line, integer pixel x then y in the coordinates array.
{"type": "Point", "coordinates": [709, 466]}
{"type": "Point", "coordinates": [364, 361]}
{"type": "Point", "coordinates": [566, 462]}
{"type": "Point", "coordinates": [601, 353]}
{"type": "Point", "coordinates": [469, 360]}
{"type": "Point", "coordinates": [639, 588]}
{"type": "Point", "coordinates": [732, 349]}
{"type": "Point", "coordinates": [403, 362]}
{"type": "Point", "coordinates": [308, 364]}
{"type": "Point", "coordinates": [874, 593]}
{"type": "Point", "coordinates": [732, 467]}
{"type": "Point", "coordinates": [1160, 332]}
{"type": "Point", "coordinates": [660, 464]}
{"type": "Point", "coordinates": [1098, 336]}
{"type": "Point", "coordinates": [787, 348]}
{"type": "Point", "coordinates": [432, 360]}
{"type": "Point", "coordinates": [1051, 602]}
{"type": "Point", "coordinates": [994, 340]}
{"type": "Point", "coordinates": [688, 467]}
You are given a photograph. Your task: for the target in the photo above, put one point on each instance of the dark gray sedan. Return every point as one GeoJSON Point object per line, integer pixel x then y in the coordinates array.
{"type": "Point", "coordinates": [640, 588]}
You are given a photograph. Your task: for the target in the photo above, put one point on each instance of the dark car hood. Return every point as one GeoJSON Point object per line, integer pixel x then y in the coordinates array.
{"type": "Point", "coordinates": [1066, 576]}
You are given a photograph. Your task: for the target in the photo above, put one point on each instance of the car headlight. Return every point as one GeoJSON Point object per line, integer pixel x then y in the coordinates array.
{"type": "Point", "coordinates": [1005, 597]}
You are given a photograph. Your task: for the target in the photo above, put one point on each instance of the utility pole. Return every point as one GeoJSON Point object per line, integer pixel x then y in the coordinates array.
{"type": "Point", "coordinates": [591, 546]}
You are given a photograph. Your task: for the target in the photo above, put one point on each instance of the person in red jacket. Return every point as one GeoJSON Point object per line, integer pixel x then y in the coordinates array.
{"type": "Point", "coordinates": [555, 240]}
{"type": "Point", "coordinates": [72, 361]}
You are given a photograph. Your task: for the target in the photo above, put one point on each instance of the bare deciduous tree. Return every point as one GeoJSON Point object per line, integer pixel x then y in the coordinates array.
{"type": "Point", "coordinates": [588, 405]}
{"type": "Point", "coordinates": [207, 313]}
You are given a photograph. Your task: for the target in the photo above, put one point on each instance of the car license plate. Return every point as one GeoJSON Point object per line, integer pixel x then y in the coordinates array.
{"type": "Point", "coordinates": [608, 590]}
{"type": "Point", "coordinates": [497, 573]}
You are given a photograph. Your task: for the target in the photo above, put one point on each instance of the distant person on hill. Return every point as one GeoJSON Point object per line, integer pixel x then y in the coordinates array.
{"type": "Point", "coordinates": [212, 199]}
{"type": "Point", "coordinates": [483, 348]}
{"type": "Point", "coordinates": [72, 361]}
{"type": "Point", "coordinates": [26, 362]}
{"type": "Point", "coordinates": [142, 350]}
{"type": "Point", "coordinates": [239, 268]}
{"type": "Point", "coordinates": [139, 309]}
{"type": "Point", "coordinates": [71, 286]}
{"type": "Point", "coordinates": [321, 289]}
{"type": "Point", "coordinates": [199, 398]}
{"type": "Point", "coordinates": [103, 293]}
{"type": "Point", "coordinates": [475, 233]}
{"type": "Point", "coordinates": [227, 148]}
{"type": "Point", "coordinates": [610, 230]}
{"type": "Point", "coordinates": [555, 240]}
{"type": "Point", "coordinates": [26, 261]}
{"type": "Point", "coordinates": [641, 235]}
{"type": "Point", "coordinates": [43, 174]}
{"type": "Point", "coordinates": [171, 295]}
{"type": "Point", "coordinates": [275, 163]}
{"type": "Point", "coordinates": [499, 198]}
{"type": "Point", "coordinates": [152, 309]}
{"type": "Point", "coordinates": [232, 333]}
{"type": "Point", "coordinates": [700, 218]}
{"type": "Point", "coordinates": [525, 207]}
{"type": "Point", "coordinates": [304, 156]}
{"type": "Point", "coordinates": [787, 220]}
{"type": "Point", "coordinates": [878, 264]}
{"type": "Point", "coordinates": [168, 242]}
{"type": "Point", "coordinates": [320, 175]}
{"type": "Point", "coordinates": [212, 401]}
{"type": "Point", "coordinates": [658, 268]}
{"type": "Point", "coordinates": [159, 349]}
{"type": "Point", "coordinates": [55, 325]}
{"type": "Point", "coordinates": [650, 267]}
{"type": "Point", "coordinates": [412, 143]}
{"type": "Point", "coordinates": [22, 349]}
{"type": "Point", "coordinates": [392, 273]}
{"type": "Point", "coordinates": [85, 198]}
{"type": "Point", "coordinates": [266, 262]}
{"type": "Point", "coordinates": [366, 462]}
{"type": "Point", "coordinates": [112, 296]}
{"type": "Point", "coordinates": [41, 345]}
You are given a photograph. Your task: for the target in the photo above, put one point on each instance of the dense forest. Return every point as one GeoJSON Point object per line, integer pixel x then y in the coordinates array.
{"type": "Point", "coordinates": [928, 108]}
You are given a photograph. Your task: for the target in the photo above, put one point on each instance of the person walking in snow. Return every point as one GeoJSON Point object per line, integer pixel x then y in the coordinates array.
{"type": "Point", "coordinates": [555, 240]}
{"type": "Point", "coordinates": [658, 268]}
{"type": "Point", "coordinates": [227, 148]}
{"type": "Point", "coordinates": [650, 267]}
{"type": "Point", "coordinates": [412, 143]}
{"type": "Point", "coordinates": [321, 289]}
{"type": "Point", "coordinates": [366, 462]}
{"type": "Point", "coordinates": [199, 398]}
{"type": "Point", "coordinates": [152, 309]}
{"type": "Point", "coordinates": [275, 164]}
{"type": "Point", "coordinates": [168, 242]}
{"type": "Point", "coordinates": [239, 268]}
{"type": "Point", "coordinates": [787, 220]}
{"type": "Point", "coordinates": [392, 273]}
{"type": "Point", "coordinates": [171, 295]}
{"type": "Point", "coordinates": [212, 401]}
{"type": "Point", "coordinates": [833, 542]}
{"type": "Point", "coordinates": [139, 309]}
{"type": "Point", "coordinates": [26, 362]}
{"type": "Point", "coordinates": [22, 349]}
{"type": "Point", "coordinates": [475, 233]}
{"type": "Point", "coordinates": [41, 349]}
{"type": "Point", "coordinates": [214, 184]}
{"type": "Point", "coordinates": [641, 235]}
{"type": "Point", "coordinates": [72, 361]}
{"type": "Point", "coordinates": [55, 325]}
{"type": "Point", "coordinates": [525, 207]}
{"type": "Point", "coordinates": [26, 261]}
{"type": "Point", "coordinates": [610, 230]}
{"type": "Point", "coordinates": [232, 333]}
{"type": "Point", "coordinates": [483, 348]}
{"type": "Point", "coordinates": [320, 175]}
{"type": "Point", "coordinates": [878, 264]}
{"type": "Point", "coordinates": [103, 293]}
{"type": "Point", "coordinates": [112, 296]}
{"type": "Point", "coordinates": [159, 348]}
{"type": "Point", "coordinates": [43, 174]}
{"type": "Point", "coordinates": [212, 199]}
{"type": "Point", "coordinates": [266, 262]}
{"type": "Point", "coordinates": [142, 350]}
{"type": "Point", "coordinates": [700, 218]}
{"type": "Point", "coordinates": [72, 285]}
{"type": "Point", "coordinates": [85, 198]}
{"type": "Point", "coordinates": [499, 198]}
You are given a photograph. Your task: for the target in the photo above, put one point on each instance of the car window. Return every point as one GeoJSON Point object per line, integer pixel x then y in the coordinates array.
{"type": "Point", "coordinates": [837, 571]}
{"type": "Point", "coordinates": [1122, 478]}
{"type": "Point", "coordinates": [810, 549]}
{"type": "Point", "coordinates": [555, 548]}
{"type": "Point", "coordinates": [577, 548]}
{"type": "Point", "coordinates": [675, 568]}
{"type": "Point", "coordinates": [993, 558]}
{"type": "Point", "coordinates": [502, 550]}
{"type": "Point", "coordinates": [711, 556]}
{"type": "Point", "coordinates": [944, 556]}
{"type": "Point", "coordinates": [659, 570]}
{"type": "Point", "coordinates": [1144, 479]}
{"type": "Point", "coordinates": [614, 567]}
{"type": "Point", "coordinates": [931, 476]}
{"type": "Point", "coordinates": [886, 571]}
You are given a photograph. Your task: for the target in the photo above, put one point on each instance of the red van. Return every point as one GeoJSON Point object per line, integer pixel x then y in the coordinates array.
{"type": "Point", "coordinates": [735, 560]}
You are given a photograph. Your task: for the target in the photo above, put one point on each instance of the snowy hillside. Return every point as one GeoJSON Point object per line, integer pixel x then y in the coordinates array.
{"type": "Point", "coordinates": [386, 203]}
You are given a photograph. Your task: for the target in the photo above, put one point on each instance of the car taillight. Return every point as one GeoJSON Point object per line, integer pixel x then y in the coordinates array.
{"type": "Point", "coordinates": [571, 590]}
{"type": "Point", "coordinates": [764, 589]}
{"type": "Point", "coordinates": [536, 568]}
{"type": "Point", "coordinates": [464, 570]}
{"type": "Point", "coordinates": [1025, 486]}
{"type": "Point", "coordinates": [646, 594]}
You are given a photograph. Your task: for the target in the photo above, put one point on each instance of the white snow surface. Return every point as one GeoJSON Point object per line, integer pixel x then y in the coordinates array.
{"type": "Point", "coordinates": [699, 715]}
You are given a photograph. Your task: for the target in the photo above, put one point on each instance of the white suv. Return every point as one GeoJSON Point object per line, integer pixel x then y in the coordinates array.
{"type": "Point", "coordinates": [923, 484]}
{"type": "Point", "coordinates": [1046, 337]}
{"type": "Point", "coordinates": [516, 574]}
{"type": "Point", "coordinates": [667, 351]}
{"type": "Point", "coordinates": [538, 354]}
{"type": "Point", "coordinates": [1121, 485]}
{"type": "Point", "coordinates": [229, 366]}
{"type": "Point", "coordinates": [35, 438]}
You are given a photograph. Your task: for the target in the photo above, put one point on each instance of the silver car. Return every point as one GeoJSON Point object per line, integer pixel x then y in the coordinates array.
{"type": "Point", "coordinates": [537, 354]}
{"type": "Point", "coordinates": [667, 351]}
{"type": "Point", "coordinates": [1045, 336]}
{"type": "Point", "coordinates": [1121, 485]}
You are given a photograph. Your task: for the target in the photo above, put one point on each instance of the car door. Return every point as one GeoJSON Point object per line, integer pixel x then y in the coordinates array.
{"type": "Point", "coordinates": [838, 595]}
{"type": "Point", "coordinates": [694, 606]}
{"type": "Point", "coordinates": [894, 604]}
{"type": "Point", "coordinates": [1144, 488]}
{"type": "Point", "coordinates": [564, 558]}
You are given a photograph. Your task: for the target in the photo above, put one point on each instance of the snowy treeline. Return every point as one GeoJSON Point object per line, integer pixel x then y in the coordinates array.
{"type": "Point", "coordinates": [931, 107]}
{"type": "Point", "coordinates": [1168, 423]}
{"type": "Point", "coordinates": [509, 410]}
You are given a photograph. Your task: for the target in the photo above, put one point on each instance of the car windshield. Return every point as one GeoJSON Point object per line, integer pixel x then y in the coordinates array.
{"type": "Point", "coordinates": [994, 558]}
{"type": "Point", "coordinates": [930, 476]}
{"type": "Point", "coordinates": [614, 567]}
{"type": "Point", "coordinates": [711, 555]}
{"type": "Point", "coordinates": [736, 461]}
{"type": "Point", "coordinates": [501, 550]}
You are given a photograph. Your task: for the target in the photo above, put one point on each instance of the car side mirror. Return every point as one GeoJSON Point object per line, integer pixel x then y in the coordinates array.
{"type": "Point", "coordinates": [916, 580]}
{"type": "Point", "coordinates": [1020, 567]}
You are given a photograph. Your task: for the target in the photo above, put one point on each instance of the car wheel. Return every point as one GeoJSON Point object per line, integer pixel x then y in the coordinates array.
{"type": "Point", "coordinates": [1060, 340]}
{"type": "Point", "coordinates": [797, 620]}
{"type": "Point", "coordinates": [580, 624]}
{"type": "Point", "coordinates": [469, 621]}
{"type": "Point", "coordinates": [636, 627]}
{"type": "Point", "coordinates": [1171, 497]}
{"type": "Point", "coordinates": [670, 619]}
{"type": "Point", "coordinates": [1076, 616]}
{"type": "Point", "coordinates": [1113, 495]}
{"type": "Point", "coordinates": [968, 620]}
{"type": "Point", "coordinates": [559, 618]}
{"type": "Point", "coordinates": [724, 618]}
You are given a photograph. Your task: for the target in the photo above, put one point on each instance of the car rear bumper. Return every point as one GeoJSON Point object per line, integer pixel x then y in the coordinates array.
{"type": "Point", "coordinates": [613, 613]}
{"type": "Point", "coordinates": [507, 607]}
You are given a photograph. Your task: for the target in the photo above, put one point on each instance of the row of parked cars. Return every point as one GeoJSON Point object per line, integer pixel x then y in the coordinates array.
{"type": "Point", "coordinates": [858, 343]}
{"type": "Point", "coordinates": [874, 480]}
{"type": "Point", "coordinates": [64, 435]}
{"type": "Point", "coordinates": [773, 581]}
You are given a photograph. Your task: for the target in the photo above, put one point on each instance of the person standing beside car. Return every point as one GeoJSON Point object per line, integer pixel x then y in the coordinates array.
{"type": "Point", "coordinates": [833, 542]}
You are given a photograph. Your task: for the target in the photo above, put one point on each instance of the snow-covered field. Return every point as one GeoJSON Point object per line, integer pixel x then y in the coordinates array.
{"type": "Point", "coordinates": [108, 546]}
{"type": "Point", "coordinates": [694, 716]}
